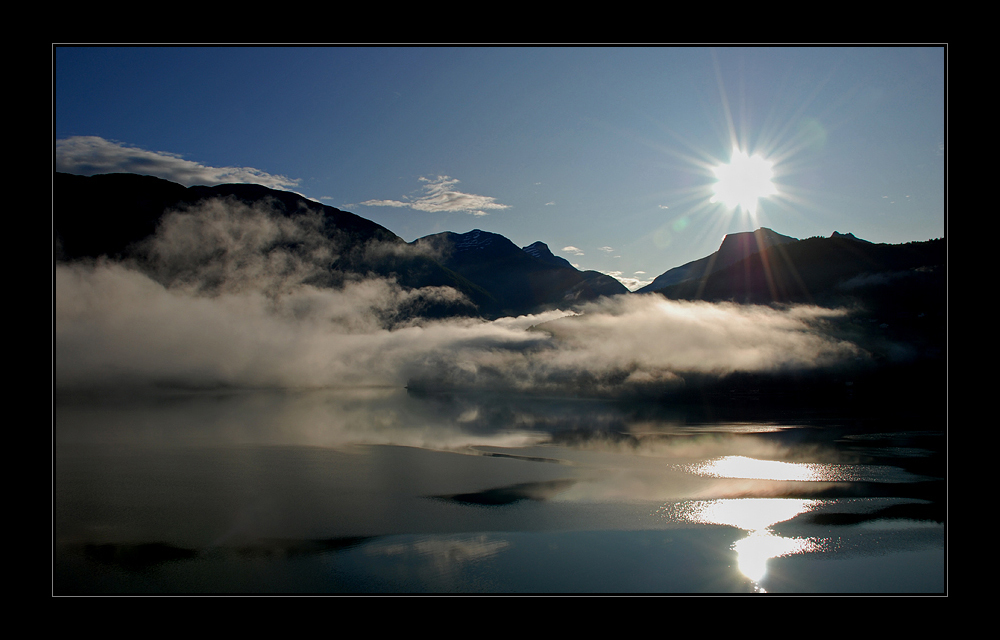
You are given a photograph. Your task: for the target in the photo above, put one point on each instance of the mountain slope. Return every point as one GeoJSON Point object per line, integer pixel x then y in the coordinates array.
{"type": "Point", "coordinates": [894, 300]}
{"type": "Point", "coordinates": [520, 281]}
{"type": "Point", "coordinates": [115, 215]}
{"type": "Point", "coordinates": [107, 214]}
{"type": "Point", "coordinates": [119, 215]}
{"type": "Point", "coordinates": [541, 251]}
{"type": "Point", "coordinates": [734, 247]}
{"type": "Point", "coordinates": [816, 270]}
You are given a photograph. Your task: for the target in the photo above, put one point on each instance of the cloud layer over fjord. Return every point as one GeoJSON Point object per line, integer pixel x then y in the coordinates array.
{"type": "Point", "coordinates": [233, 295]}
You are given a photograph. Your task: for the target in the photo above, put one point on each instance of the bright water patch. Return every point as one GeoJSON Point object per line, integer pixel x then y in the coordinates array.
{"type": "Point", "coordinates": [754, 469]}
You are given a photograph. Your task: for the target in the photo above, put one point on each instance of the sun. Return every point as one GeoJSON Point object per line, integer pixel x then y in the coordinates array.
{"type": "Point", "coordinates": [743, 181]}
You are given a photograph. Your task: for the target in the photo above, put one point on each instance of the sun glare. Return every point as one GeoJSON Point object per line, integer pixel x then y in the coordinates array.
{"type": "Point", "coordinates": [743, 181]}
{"type": "Point", "coordinates": [756, 516]}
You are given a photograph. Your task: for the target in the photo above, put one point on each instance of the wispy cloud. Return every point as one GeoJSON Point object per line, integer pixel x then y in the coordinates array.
{"type": "Point", "coordinates": [605, 249]}
{"type": "Point", "coordinates": [439, 195]}
{"type": "Point", "coordinates": [90, 155]}
{"type": "Point", "coordinates": [573, 250]}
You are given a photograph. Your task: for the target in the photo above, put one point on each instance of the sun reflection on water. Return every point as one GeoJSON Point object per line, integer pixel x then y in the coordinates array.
{"type": "Point", "coordinates": [754, 469]}
{"type": "Point", "coordinates": [754, 515]}
{"type": "Point", "coordinates": [750, 514]}
{"type": "Point", "coordinates": [760, 546]}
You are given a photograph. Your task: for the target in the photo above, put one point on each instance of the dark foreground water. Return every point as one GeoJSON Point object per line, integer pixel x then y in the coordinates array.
{"type": "Point", "coordinates": [380, 491]}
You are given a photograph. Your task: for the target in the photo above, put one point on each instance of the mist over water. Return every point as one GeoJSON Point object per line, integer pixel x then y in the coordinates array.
{"type": "Point", "coordinates": [226, 294]}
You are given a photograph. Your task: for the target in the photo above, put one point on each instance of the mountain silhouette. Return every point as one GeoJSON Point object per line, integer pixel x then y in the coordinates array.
{"type": "Point", "coordinates": [541, 251]}
{"type": "Point", "coordinates": [115, 214]}
{"type": "Point", "coordinates": [108, 214]}
{"type": "Point", "coordinates": [893, 299]}
{"type": "Point", "coordinates": [847, 236]}
{"type": "Point", "coordinates": [522, 281]}
{"type": "Point", "coordinates": [824, 271]}
{"type": "Point", "coordinates": [735, 247]}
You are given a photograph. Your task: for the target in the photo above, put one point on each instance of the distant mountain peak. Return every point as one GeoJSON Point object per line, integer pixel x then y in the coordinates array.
{"type": "Point", "coordinates": [735, 247]}
{"type": "Point", "coordinates": [475, 239]}
{"type": "Point", "coordinates": [537, 249]}
{"type": "Point", "coordinates": [541, 251]}
{"type": "Point", "coordinates": [761, 236]}
{"type": "Point", "coordinates": [738, 246]}
{"type": "Point", "coordinates": [848, 236]}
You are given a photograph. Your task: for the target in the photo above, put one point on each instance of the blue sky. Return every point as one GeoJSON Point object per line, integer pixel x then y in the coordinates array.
{"type": "Point", "coordinates": [605, 154]}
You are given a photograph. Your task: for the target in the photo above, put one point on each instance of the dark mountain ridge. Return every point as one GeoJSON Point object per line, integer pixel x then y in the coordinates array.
{"type": "Point", "coordinates": [106, 214]}
{"type": "Point", "coordinates": [115, 215]}
{"type": "Point", "coordinates": [816, 270]}
{"type": "Point", "coordinates": [896, 297]}
{"type": "Point", "coordinates": [541, 251]}
{"type": "Point", "coordinates": [734, 247]}
{"type": "Point", "coordinates": [520, 281]}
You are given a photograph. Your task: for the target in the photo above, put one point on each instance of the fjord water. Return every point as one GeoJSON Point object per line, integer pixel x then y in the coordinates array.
{"type": "Point", "coordinates": [385, 491]}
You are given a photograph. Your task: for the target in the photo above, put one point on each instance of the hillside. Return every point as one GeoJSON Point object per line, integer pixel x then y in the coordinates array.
{"type": "Point", "coordinates": [895, 295]}
{"type": "Point", "coordinates": [118, 215]}
{"type": "Point", "coordinates": [816, 270]}
{"type": "Point", "coordinates": [519, 280]}
{"type": "Point", "coordinates": [735, 247]}
{"type": "Point", "coordinates": [115, 215]}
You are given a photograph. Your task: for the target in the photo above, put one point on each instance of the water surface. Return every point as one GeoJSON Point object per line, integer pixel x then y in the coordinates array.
{"type": "Point", "coordinates": [381, 491]}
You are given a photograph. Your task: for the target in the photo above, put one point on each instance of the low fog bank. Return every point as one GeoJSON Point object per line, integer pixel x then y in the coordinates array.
{"type": "Point", "coordinates": [116, 325]}
{"type": "Point", "coordinates": [226, 295]}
